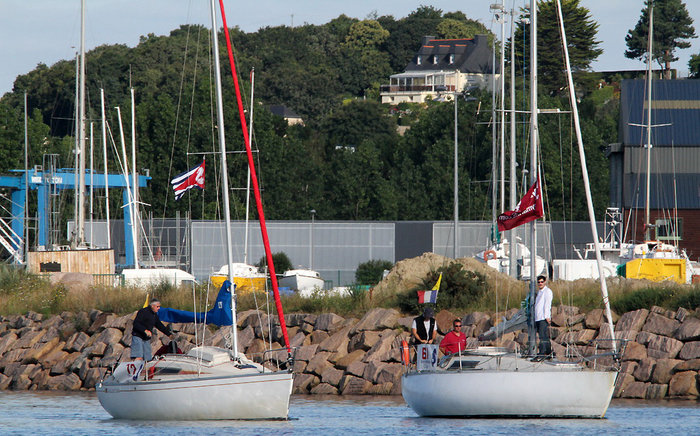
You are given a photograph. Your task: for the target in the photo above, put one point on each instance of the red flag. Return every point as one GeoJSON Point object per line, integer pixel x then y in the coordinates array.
{"type": "Point", "coordinates": [528, 209]}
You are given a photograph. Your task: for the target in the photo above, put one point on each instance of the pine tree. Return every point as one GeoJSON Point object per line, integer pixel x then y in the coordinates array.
{"type": "Point", "coordinates": [581, 33]}
{"type": "Point", "coordinates": [672, 28]}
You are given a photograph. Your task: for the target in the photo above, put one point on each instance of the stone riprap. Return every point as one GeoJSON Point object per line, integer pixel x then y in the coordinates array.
{"type": "Point", "coordinates": [337, 355]}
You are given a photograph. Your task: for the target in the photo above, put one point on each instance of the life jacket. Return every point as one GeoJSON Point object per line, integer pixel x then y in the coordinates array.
{"type": "Point", "coordinates": [420, 327]}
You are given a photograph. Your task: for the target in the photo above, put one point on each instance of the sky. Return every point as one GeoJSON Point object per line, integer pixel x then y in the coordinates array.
{"type": "Point", "coordinates": [46, 31]}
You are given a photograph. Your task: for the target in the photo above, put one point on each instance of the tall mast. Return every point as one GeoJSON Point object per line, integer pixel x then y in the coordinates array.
{"type": "Point", "coordinates": [534, 136]}
{"type": "Point", "coordinates": [80, 224]}
{"type": "Point", "coordinates": [584, 172]}
{"type": "Point", "coordinates": [256, 188]}
{"type": "Point", "coordinates": [502, 106]}
{"type": "Point", "coordinates": [25, 234]}
{"type": "Point", "coordinates": [512, 270]}
{"type": "Point", "coordinates": [224, 172]}
{"type": "Point", "coordinates": [136, 218]}
{"type": "Point", "coordinates": [455, 251]}
{"type": "Point", "coordinates": [104, 158]}
{"type": "Point", "coordinates": [647, 224]}
{"type": "Point", "coordinates": [247, 190]}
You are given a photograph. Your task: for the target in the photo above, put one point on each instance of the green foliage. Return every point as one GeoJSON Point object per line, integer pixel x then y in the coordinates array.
{"type": "Point", "coordinates": [673, 27]}
{"type": "Point", "coordinates": [668, 296]}
{"type": "Point", "coordinates": [281, 261]}
{"type": "Point", "coordinates": [370, 272]}
{"type": "Point", "coordinates": [347, 161]}
{"type": "Point", "coordinates": [581, 33]}
{"type": "Point", "coordinates": [694, 66]}
{"type": "Point", "coordinates": [459, 289]}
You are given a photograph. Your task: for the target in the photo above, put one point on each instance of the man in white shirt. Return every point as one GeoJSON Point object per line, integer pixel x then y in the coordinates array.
{"type": "Point", "coordinates": [424, 328]}
{"type": "Point", "coordinates": [543, 317]}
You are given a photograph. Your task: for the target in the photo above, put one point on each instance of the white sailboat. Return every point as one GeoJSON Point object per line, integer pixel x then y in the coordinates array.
{"type": "Point", "coordinates": [490, 381]}
{"type": "Point", "coordinates": [207, 382]}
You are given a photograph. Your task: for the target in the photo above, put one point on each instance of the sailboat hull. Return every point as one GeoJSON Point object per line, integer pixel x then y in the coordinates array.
{"type": "Point", "coordinates": [251, 396]}
{"type": "Point", "coordinates": [541, 393]}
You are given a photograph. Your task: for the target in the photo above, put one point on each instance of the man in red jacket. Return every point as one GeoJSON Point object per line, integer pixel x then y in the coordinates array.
{"type": "Point", "coordinates": [454, 341]}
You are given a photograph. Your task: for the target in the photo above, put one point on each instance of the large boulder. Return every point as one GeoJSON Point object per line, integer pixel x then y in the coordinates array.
{"type": "Point", "coordinates": [318, 363]}
{"type": "Point", "coordinates": [337, 342]}
{"type": "Point", "coordinates": [327, 321]}
{"type": "Point", "coordinates": [364, 340]}
{"type": "Point", "coordinates": [660, 325]}
{"type": "Point", "coordinates": [690, 350]}
{"type": "Point", "coordinates": [662, 347]}
{"type": "Point", "coordinates": [348, 359]}
{"type": "Point", "coordinates": [644, 369]}
{"type": "Point", "coordinates": [634, 351]}
{"type": "Point", "coordinates": [636, 389]}
{"type": "Point", "coordinates": [632, 320]}
{"type": "Point", "coordinates": [656, 391]}
{"type": "Point", "coordinates": [355, 385]}
{"type": "Point", "coordinates": [683, 384]}
{"type": "Point", "coordinates": [381, 351]}
{"type": "Point", "coordinates": [689, 330]}
{"type": "Point", "coordinates": [663, 371]}
{"type": "Point", "coordinates": [325, 389]}
{"type": "Point", "coordinates": [377, 319]}
{"type": "Point", "coordinates": [332, 376]}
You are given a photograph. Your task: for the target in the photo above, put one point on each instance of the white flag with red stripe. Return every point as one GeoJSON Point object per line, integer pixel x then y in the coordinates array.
{"type": "Point", "coordinates": [193, 178]}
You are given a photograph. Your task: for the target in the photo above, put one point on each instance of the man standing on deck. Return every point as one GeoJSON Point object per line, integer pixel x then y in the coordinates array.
{"type": "Point", "coordinates": [142, 331]}
{"type": "Point", "coordinates": [424, 328]}
{"type": "Point", "coordinates": [543, 317]}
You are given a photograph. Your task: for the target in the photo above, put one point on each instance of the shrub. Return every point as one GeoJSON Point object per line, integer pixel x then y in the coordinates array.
{"type": "Point", "coordinates": [281, 260]}
{"type": "Point", "coordinates": [459, 289]}
{"type": "Point", "coordinates": [370, 272]}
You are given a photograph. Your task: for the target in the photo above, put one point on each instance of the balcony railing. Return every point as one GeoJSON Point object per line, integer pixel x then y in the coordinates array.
{"type": "Point", "coordinates": [416, 88]}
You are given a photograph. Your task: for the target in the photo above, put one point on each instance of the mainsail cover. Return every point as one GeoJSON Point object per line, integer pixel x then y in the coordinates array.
{"type": "Point", "coordinates": [220, 314]}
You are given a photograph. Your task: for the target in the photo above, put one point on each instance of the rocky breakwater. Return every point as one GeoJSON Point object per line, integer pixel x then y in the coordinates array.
{"type": "Point", "coordinates": [337, 355]}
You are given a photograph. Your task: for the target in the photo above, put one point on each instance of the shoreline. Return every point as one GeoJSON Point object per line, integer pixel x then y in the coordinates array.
{"type": "Point", "coordinates": [339, 356]}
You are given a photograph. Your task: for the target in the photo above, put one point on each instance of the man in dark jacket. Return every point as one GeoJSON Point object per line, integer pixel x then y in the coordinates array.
{"type": "Point", "coordinates": [424, 328]}
{"type": "Point", "coordinates": [144, 323]}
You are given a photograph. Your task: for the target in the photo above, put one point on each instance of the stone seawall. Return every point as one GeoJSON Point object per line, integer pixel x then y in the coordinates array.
{"type": "Point", "coordinates": [336, 355]}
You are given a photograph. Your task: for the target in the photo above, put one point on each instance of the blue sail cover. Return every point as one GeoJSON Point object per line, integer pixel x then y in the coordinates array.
{"type": "Point", "coordinates": [219, 315]}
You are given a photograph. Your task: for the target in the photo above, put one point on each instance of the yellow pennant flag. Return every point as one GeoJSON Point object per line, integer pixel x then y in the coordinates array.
{"type": "Point", "coordinates": [437, 285]}
{"type": "Point", "coordinates": [145, 304]}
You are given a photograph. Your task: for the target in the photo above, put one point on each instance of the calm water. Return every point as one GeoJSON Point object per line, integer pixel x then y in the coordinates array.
{"type": "Point", "coordinates": [81, 414]}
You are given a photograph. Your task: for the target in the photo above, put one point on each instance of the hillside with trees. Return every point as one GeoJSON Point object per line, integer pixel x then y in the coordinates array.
{"type": "Point", "coordinates": [347, 161]}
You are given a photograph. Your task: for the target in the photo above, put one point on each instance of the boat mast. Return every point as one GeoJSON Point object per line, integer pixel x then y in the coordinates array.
{"type": "Point", "coordinates": [104, 157]}
{"type": "Point", "coordinates": [256, 188]}
{"type": "Point", "coordinates": [647, 224]}
{"type": "Point", "coordinates": [584, 172]}
{"type": "Point", "coordinates": [502, 81]}
{"type": "Point", "coordinates": [456, 179]}
{"type": "Point", "coordinates": [534, 137]}
{"type": "Point", "coordinates": [136, 218]}
{"type": "Point", "coordinates": [512, 270]}
{"type": "Point", "coordinates": [247, 190]}
{"type": "Point", "coordinates": [224, 175]}
{"type": "Point", "coordinates": [25, 233]}
{"type": "Point", "coordinates": [80, 224]}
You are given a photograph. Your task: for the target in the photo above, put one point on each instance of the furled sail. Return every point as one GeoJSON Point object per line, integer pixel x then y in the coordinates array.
{"type": "Point", "coordinates": [220, 314]}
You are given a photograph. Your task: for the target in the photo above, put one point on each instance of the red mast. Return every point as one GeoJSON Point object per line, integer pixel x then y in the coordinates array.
{"type": "Point", "coordinates": [254, 178]}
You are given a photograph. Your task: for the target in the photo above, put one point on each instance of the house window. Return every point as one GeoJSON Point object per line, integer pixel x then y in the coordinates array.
{"type": "Point", "coordinates": [418, 61]}
{"type": "Point", "coordinates": [452, 59]}
{"type": "Point", "coordinates": [665, 230]}
{"type": "Point", "coordinates": [435, 59]}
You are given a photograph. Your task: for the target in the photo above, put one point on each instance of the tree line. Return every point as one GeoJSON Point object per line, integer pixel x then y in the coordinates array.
{"type": "Point", "coordinates": [347, 161]}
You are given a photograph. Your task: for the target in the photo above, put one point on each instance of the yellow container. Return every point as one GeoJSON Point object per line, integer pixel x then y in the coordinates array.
{"type": "Point", "coordinates": [243, 284]}
{"type": "Point", "coordinates": [656, 270]}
